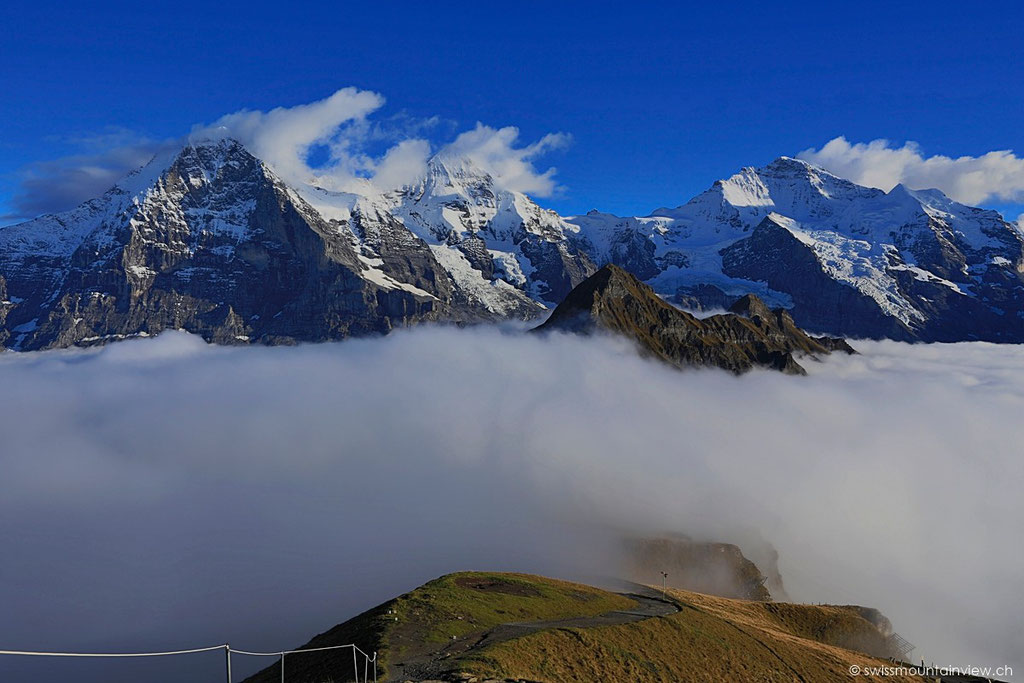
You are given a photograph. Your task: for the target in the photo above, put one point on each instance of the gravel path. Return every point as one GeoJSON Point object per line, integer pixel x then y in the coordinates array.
{"type": "Point", "coordinates": [431, 666]}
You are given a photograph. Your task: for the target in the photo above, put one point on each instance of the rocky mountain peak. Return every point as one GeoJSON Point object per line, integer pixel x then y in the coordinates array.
{"type": "Point", "coordinates": [792, 166]}
{"type": "Point", "coordinates": [615, 301]}
{"type": "Point", "coordinates": [222, 161]}
{"type": "Point", "coordinates": [750, 306]}
{"type": "Point", "coordinates": [793, 182]}
{"type": "Point", "coordinates": [209, 156]}
{"type": "Point", "coordinates": [454, 176]}
{"type": "Point", "coordinates": [197, 162]}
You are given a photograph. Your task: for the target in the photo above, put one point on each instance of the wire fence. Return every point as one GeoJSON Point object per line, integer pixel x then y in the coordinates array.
{"type": "Point", "coordinates": [369, 662]}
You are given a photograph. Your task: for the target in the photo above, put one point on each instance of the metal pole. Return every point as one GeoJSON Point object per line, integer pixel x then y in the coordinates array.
{"type": "Point", "coordinates": [227, 651]}
{"type": "Point", "coordinates": [282, 667]}
{"type": "Point", "coordinates": [355, 664]}
{"type": "Point", "coordinates": [375, 666]}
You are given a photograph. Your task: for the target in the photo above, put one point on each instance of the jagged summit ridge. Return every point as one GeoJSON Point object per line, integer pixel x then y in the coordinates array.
{"type": "Point", "coordinates": [209, 239]}
{"type": "Point", "coordinates": [845, 259]}
{"type": "Point", "coordinates": [208, 228]}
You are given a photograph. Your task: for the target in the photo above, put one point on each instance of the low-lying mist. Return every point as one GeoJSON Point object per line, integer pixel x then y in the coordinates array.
{"type": "Point", "coordinates": [164, 493]}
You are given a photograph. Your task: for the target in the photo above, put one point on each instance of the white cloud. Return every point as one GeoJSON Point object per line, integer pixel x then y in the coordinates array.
{"type": "Point", "coordinates": [263, 494]}
{"type": "Point", "coordinates": [282, 137]}
{"type": "Point", "coordinates": [363, 154]}
{"type": "Point", "coordinates": [971, 180]}
{"type": "Point", "coordinates": [402, 165]}
{"type": "Point", "coordinates": [494, 150]}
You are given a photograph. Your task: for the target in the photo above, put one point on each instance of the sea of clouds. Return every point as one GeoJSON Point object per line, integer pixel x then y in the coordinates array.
{"type": "Point", "coordinates": [164, 493]}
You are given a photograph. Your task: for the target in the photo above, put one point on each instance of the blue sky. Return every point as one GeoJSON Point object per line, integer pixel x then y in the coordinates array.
{"type": "Point", "coordinates": [659, 100]}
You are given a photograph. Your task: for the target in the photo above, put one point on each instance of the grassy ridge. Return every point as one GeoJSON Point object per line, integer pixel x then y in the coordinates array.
{"type": "Point", "coordinates": [426, 618]}
{"type": "Point", "coordinates": [711, 639]}
{"type": "Point", "coordinates": [470, 602]}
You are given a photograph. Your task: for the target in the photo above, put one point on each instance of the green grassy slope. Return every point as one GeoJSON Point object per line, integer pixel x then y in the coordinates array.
{"type": "Point", "coordinates": [424, 619]}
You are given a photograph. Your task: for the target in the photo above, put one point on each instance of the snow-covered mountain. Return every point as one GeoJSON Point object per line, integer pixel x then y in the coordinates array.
{"type": "Point", "coordinates": [843, 258]}
{"type": "Point", "coordinates": [207, 238]}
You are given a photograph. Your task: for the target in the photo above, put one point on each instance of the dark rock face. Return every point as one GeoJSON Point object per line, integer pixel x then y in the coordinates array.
{"type": "Point", "coordinates": [778, 326]}
{"type": "Point", "coordinates": [702, 298]}
{"type": "Point", "coordinates": [773, 255]}
{"type": "Point", "coordinates": [634, 252]}
{"type": "Point", "coordinates": [402, 255]}
{"type": "Point", "coordinates": [713, 568]}
{"type": "Point", "coordinates": [615, 301]}
{"type": "Point", "coordinates": [474, 249]}
{"type": "Point", "coordinates": [559, 267]}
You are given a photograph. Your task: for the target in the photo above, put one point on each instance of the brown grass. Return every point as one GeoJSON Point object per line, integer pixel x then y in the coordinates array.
{"type": "Point", "coordinates": [711, 639]}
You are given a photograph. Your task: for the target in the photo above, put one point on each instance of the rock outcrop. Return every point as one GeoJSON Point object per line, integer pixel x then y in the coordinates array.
{"type": "Point", "coordinates": [713, 568]}
{"type": "Point", "coordinates": [753, 336]}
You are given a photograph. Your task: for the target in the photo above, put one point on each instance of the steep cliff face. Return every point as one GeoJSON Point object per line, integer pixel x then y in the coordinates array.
{"type": "Point", "coordinates": [773, 255]}
{"type": "Point", "coordinates": [615, 301]}
{"type": "Point", "coordinates": [215, 244]}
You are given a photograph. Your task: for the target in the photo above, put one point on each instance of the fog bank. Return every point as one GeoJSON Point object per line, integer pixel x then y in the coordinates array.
{"type": "Point", "coordinates": [164, 493]}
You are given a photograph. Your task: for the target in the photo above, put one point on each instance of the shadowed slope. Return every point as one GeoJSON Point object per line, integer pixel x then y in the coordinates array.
{"type": "Point", "coordinates": [752, 336]}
